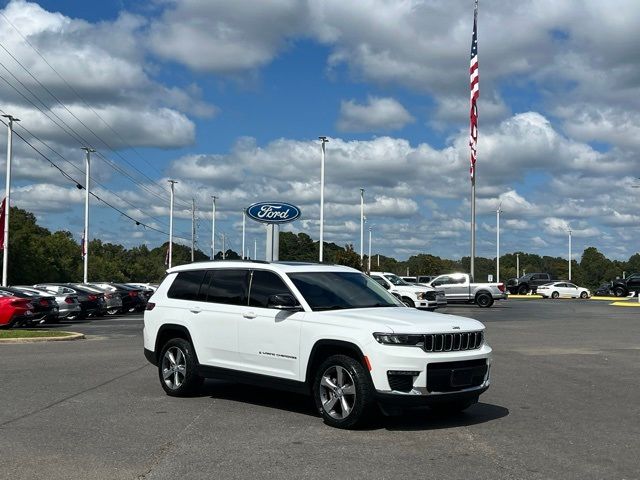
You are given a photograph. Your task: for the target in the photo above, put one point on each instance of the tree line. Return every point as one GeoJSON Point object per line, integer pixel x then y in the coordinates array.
{"type": "Point", "coordinates": [39, 255]}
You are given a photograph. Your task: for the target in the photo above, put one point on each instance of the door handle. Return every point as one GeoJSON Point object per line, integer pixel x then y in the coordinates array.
{"type": "Point", "coordinates": [195, 310]}
{"type": "Point", "coordinates": [249, 315]}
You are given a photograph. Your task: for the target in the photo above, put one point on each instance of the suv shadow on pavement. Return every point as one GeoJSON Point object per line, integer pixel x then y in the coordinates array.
{"type": "Point", "coordinates": [412, 419]}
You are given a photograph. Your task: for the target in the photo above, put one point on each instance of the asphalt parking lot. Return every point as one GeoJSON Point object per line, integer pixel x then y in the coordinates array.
{"type": "Point", "coordinates": [564, 403]}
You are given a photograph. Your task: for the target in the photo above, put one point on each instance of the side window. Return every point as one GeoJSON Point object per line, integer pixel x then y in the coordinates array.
{"type": "Point", "coordinates": [264, 284]}
{"type": "Point", "coordinates": [228, 286]}
{"type": "Point", "coordinates": [186, 285]}
{"type": "Point", "coordinates": [380, 280]}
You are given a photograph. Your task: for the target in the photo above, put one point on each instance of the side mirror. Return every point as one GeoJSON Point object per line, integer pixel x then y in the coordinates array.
{"type": "Point", "coordinates": [283, 301]}
{"type": "Point", "coordinates": [436, 284]}
{"type": "Point", "coordinates": [386, 286]}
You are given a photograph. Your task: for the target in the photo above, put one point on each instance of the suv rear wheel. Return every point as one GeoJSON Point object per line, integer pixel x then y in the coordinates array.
{"type": "Point", "coordinates": [177, 368]}
{"type": "Point", "coordinates": [343, 392]}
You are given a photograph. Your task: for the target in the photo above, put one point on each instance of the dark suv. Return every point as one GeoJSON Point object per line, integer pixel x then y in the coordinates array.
{"type": "Point", "coordinates": [527, 283]}
{"type": "Point", "coordinates": [622, 287]}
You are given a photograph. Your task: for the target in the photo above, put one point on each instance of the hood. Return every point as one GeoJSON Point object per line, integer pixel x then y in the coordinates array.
{"type": "Point", "coordinates": [399, 320]}
{"type": "Point", "coordinates": [413, 288]}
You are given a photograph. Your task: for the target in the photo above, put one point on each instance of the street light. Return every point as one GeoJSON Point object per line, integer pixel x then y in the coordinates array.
{"type": "Point", "coordinates": [498, 242]}
{"type": "Point", "coordinates": [369, 259]}
{"type": "Point", "coordinates": [362, 227]}
{"type": "Point", "coordinates": [213, 228]}
{"type": "Point", "coordinates": [569, 231]}
{"type": "Point", "coordinates": [323, 140]}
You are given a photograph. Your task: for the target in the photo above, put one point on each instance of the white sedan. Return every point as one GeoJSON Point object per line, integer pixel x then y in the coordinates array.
{"type": "Point", "coordinates": [563, 289]}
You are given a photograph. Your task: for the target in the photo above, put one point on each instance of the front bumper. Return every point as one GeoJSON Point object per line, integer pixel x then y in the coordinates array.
{"type": "Point", "coordinates": [385, 359]}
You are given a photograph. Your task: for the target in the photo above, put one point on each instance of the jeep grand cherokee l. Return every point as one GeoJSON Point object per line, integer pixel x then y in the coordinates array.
{"type": "Point", "coordinates": [329, 331]}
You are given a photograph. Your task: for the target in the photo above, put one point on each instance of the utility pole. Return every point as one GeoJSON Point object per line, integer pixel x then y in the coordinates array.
{"type": "Point", "coordinates": [361, 227]}
{"type": "Point", "coordinates": [569, 230]}
{"type": "Point", "coordinates": [7, 198]}
{"type": "Point", "coordinates": [193, 228]}
{"type": "Point", "coordinates": [244, 219]}
{"type": "Point", "coordinates": [224, 249]}
{"type": "Point", "coordinates": [323, 140]}
{"type": "Point", "coordinates": [213, 229]}
{"type": "Point", "coordinates": [172, 183]}
{"type": "Point", "coordinates": [88, 151]}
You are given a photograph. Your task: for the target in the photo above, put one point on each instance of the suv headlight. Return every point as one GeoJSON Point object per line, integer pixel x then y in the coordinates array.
{"type": "Point", "coordinates": [399, 339]}
{"type": "Point", "coordinates": [421, 295]}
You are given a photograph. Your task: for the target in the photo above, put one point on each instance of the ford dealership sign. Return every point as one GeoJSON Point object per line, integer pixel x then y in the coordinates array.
{"type": "Point", "coordinates": [273, 212]}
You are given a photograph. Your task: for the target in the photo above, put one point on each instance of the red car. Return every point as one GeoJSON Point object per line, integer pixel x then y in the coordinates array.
{"type": "Point", "coordinates": [14, 311]}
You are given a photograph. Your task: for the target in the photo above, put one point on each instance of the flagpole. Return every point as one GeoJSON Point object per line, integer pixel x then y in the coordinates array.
{"type": "Point", "coordinates": [474, 80]}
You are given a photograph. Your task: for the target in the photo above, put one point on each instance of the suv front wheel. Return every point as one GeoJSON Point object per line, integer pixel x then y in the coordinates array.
{"type": "Point", "coordinates": [177, 368]}
{"type": "Point", "coordinates": [343, 392]}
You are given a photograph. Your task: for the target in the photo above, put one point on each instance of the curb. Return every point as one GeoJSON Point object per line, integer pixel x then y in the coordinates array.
{"type": "Point", "coordinates": [73, 336]}
{"type": "Point", "coordinates": [610, 299]}
{"type": "Point", "coordinates": [625, 304]}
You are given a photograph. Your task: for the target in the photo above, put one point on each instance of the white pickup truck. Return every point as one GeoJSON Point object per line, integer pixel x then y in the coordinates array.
{"type": "Point", "coordinates": [458, 288]}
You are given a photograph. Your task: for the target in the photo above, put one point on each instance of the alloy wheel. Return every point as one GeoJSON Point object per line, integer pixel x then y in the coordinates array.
{"type": "Point", "coordinates": [337, 392]}
{"type": "Point", "coordinates": [174, 368]}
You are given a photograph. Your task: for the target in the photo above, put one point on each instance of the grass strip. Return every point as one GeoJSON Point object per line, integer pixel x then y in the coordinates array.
{"type": "Point", "coordinates": [32, 333]}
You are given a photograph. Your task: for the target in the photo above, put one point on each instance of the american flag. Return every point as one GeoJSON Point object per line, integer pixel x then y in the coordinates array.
{"type": "Point", "coordinates": [474, 80]}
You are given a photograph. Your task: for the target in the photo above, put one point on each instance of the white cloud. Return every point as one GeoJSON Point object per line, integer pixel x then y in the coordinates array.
{"type": "Point", "coordinates": [378, 114]}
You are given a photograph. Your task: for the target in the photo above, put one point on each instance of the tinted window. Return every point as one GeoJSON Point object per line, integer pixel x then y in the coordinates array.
{"type": "Point", "coordinates": [264, 284]}
{"type": "Point", "coordinates": [186, 285]}
{"type": "Point", "coordinates": [379, 280]}
{"type": "Point", "coordinates": [340, 290]}
{"type": "Point", "coordinates": [227, 286]}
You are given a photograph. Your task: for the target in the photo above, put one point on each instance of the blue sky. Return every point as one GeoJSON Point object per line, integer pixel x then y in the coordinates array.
{"type": "Point", "coordinates": [229, 98]}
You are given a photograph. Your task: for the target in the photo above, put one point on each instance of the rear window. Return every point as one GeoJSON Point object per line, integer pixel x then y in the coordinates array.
{"type": "Point", "coordinates": [186, 285]}
{"type": "Point", "coordinates": [226, 286]}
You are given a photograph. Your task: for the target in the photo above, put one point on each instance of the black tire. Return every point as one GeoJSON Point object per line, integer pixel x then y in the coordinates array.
{"type": "Point", "coordinates": [522, 290]}
{"type": "Point", "coordinates": [408, 302]}
{"type": "Point", "coordinates": [555, 295]}
{"type": "Point", "coordinates": [452, 408]}
{"type": "Point", "coordinates": [583, 295]}
{"type": "Point", "coordinates": [329, 400]}
{"type": "Point", "coordinates": [176, 381]}
{"type": "Point", "coordinates": [484, 300]}
{"type": "Point", "coordinates": [620, 292]}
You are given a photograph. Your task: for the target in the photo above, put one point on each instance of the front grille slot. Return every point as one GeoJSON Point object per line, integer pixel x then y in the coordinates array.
{"type": "Point", "coordinates": [453, 342]}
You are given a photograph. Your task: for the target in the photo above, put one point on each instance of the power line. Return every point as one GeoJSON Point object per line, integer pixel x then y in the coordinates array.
{"type": "Point", "coordinates": [79, 185]}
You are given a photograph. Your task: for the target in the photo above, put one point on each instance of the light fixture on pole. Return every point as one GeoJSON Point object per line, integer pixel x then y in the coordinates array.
{"type": "Point", "coordinates": [498, 242]}
{"type": "Point", "coordinates": [213, 228]}
{"type": "Point", "coordinates": [361, 227]}
{"type": "Point", "coordinates": [569, 231]}
{"type": "Point", "coordinates": [324, 141]}
{"type": "Point", "coordinates": [87, 178]}
{"type": "Point", "coordinates": [7, 199]}
{"type": "Point", "coordinates": [172, 183]}
{"type": "Point", "coordinates": [244, 219]}
{"type": "Point", "coordinates": [369, 258]}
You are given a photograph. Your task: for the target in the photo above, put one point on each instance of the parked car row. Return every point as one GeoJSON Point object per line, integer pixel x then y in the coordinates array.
{"type": "Point", "coordinates": [25, 305]}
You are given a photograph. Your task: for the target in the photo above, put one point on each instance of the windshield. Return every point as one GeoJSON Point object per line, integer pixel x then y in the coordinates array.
{"type": "Point", "coordinates": [396, 280]}
{"type": "Point", "coordinates": [341, 290]}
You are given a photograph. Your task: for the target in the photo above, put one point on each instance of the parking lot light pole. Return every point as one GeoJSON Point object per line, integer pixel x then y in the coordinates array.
{"type": "Point", "coordinates": [88, 151]}
{"type": "Point", "coordinates": [369, 258]}
{"type": "Point", "coordinates": [498, 243]}
{"type": "Point", "coordinates": [320, 257]}
{"type": "Point", "coordinates": [7, 198]}
{"type": "Point", "coordinates": [517, 265]}
{"type": "Point", "coordinates": [172, 183]}
{"type": "Point", "coordinates": [361, 227]}
{"type": "Point", "coordinates": [569, 254]}
{"type": "Point", "coordinates": [244, 218]}
{"type": "Point", "coordinates": [213, 229]}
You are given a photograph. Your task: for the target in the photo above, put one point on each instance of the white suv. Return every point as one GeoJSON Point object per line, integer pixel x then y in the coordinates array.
{"type": "Point", "coordinates": [322, 329]}
{"type": "Point", "coordinates": [411, 294]}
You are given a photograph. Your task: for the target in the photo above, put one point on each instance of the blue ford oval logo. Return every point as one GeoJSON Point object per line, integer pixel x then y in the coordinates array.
{"type": "Point", "coordinates": [273, 212]}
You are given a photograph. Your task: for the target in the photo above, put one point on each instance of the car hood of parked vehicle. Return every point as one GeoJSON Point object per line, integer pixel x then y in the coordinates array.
{"type": "Point", "coordinates": [398, 320]}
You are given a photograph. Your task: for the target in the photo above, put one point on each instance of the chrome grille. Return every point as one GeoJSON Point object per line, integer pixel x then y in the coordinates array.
{"type": "Point", "coordinates": [453, 342]}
